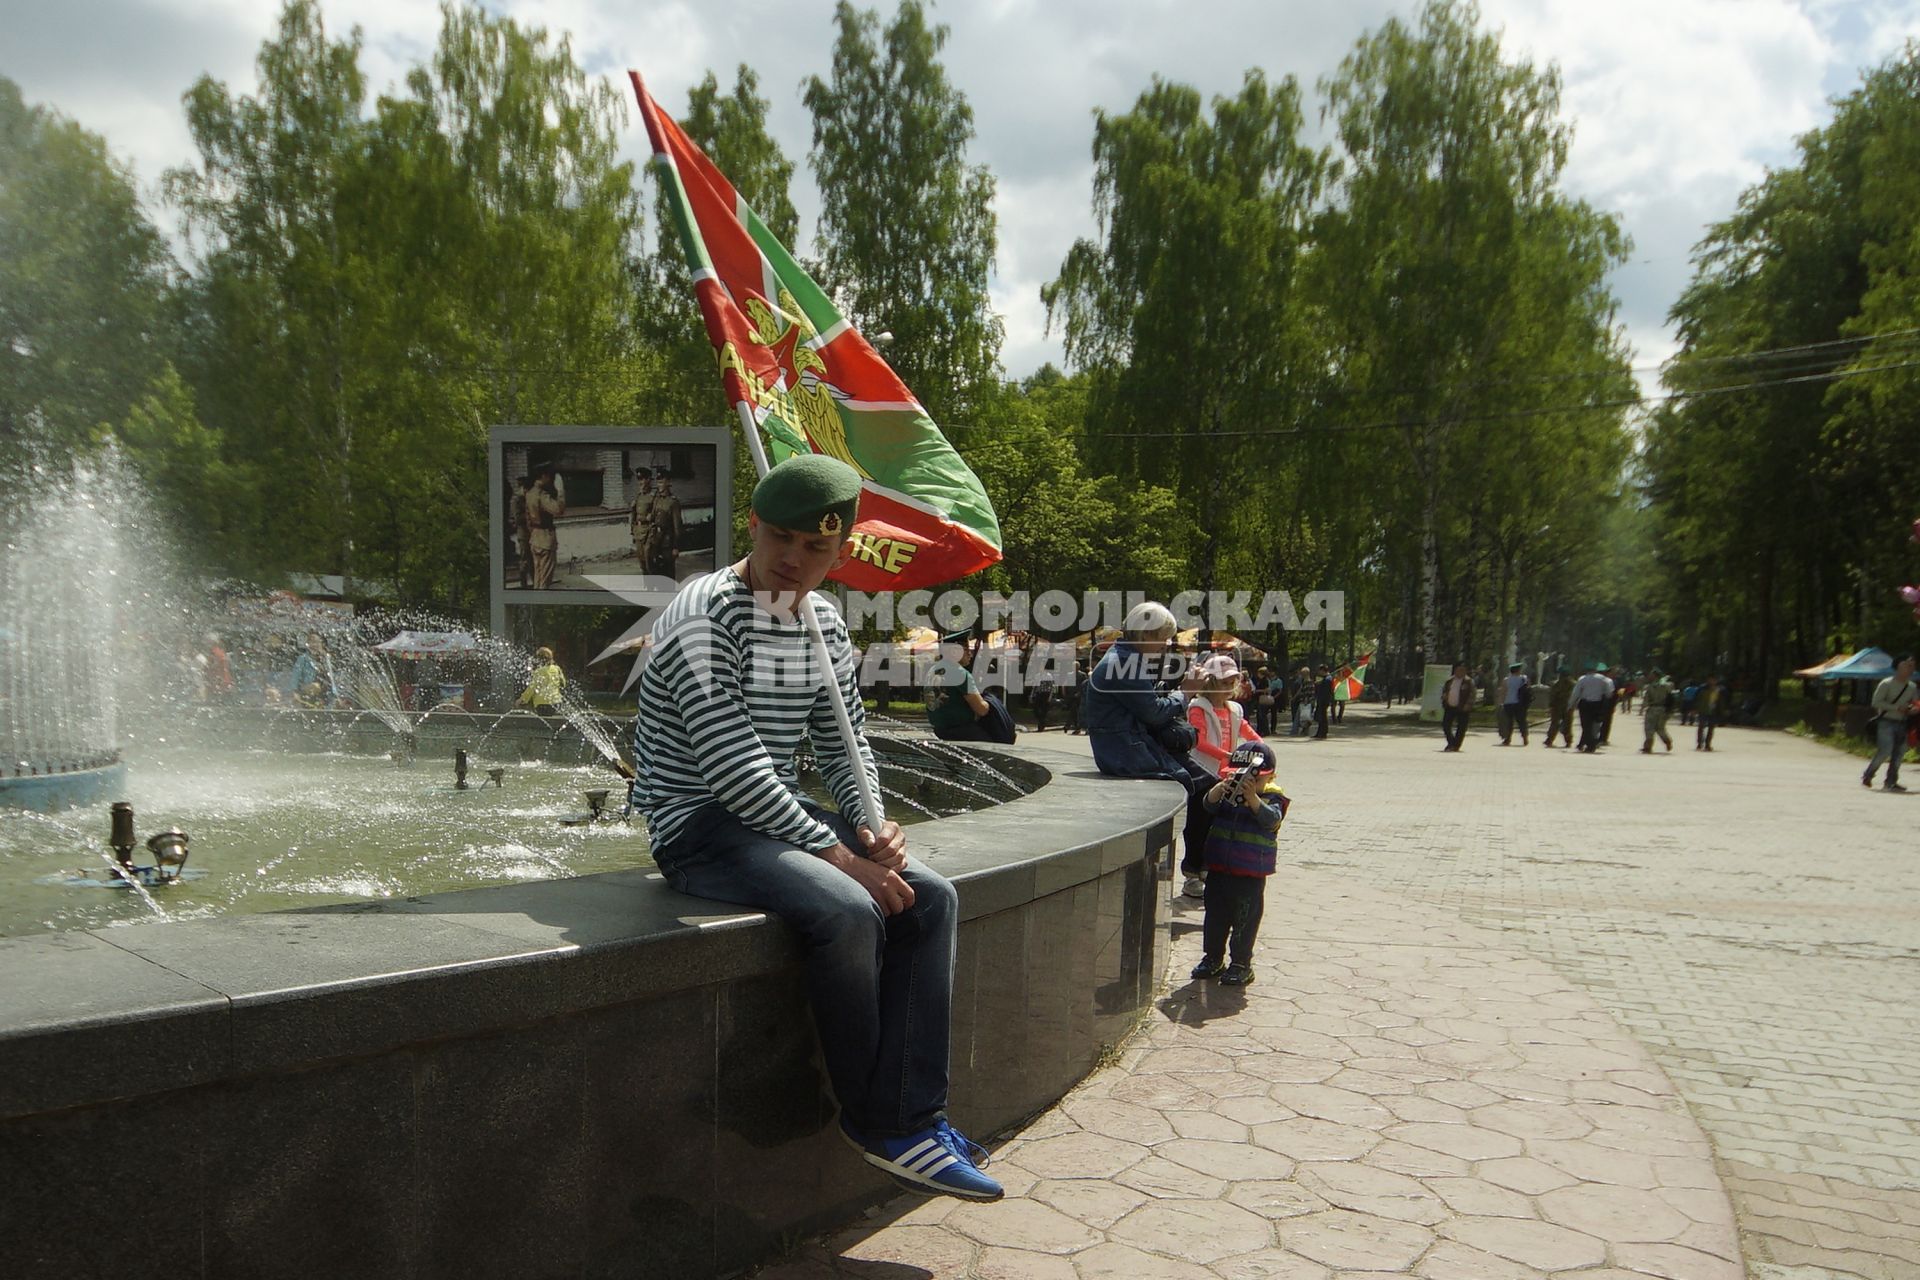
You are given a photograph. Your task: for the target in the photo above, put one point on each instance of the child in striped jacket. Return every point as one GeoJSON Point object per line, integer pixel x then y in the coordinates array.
{"type": "Point", "coordinates": [1247, 808]}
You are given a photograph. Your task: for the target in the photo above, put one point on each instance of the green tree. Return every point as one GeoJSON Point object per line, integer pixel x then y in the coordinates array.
{"type": "Point", "coordinates": [1185, 313]}
{"type": "Point", "coordinates": [907, 232]}
{"type": "Point", "coordinates": [1468, 288]}
{"type": "Point", "coordinates": [280, 283]}
{"type": "Point", "coordinates": [84, 326]}
{"type": "Point", "coordinates": [376, 291]}
{"type": "Point", "coordinates": [1063, 527]}
{"type": "Point", "coordinates": [1794, 334]}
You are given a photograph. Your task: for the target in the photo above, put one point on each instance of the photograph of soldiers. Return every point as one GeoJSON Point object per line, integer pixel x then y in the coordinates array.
{"type": "Point", "coordinates": [581, 511]}
{"type": "Point", "coordinates": [657, 528]}
{"type": "Point", "coordinates": [517, 516]}
{"type": "Point", "coordinates": [546, 502]}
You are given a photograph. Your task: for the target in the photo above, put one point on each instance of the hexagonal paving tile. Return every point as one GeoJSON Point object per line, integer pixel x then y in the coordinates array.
{"type": "Point", "coordinates": [1259, 1109]}
{"type": "Point", "coordinates": [1232, 1161]}
{"type": "Point", "coordinates": [1306, 1044]}
{"type": "Point", "coordinates": [1209, 1125]}
{"type": "Point", "coordinates": [939, 1251]}
{"type": "Point", "coordinates": [1380, 1192]}
{"type": "Point", "coordinates": [1671, 1262]}
{"type": "Point", "coordinates": [1525, 1175]}
{"type": "Point", "coordinates": [1270, 1264]}
{"type": "Point", "coordinates": [1416, 1162]}
{"type": "Point", "coordinates": [1113, 1118]}
{"type": "Point", "coordinates": [1344, 1240]}
{"type": "Point", "coordinates": [1288, 1068]}
{"type": "Point", "coordinates": [1619, 1214]}
{"type": "Point", "coordinates": [1304, 1138]}
{"type": "Point", "coordinates": [1275, 1199]}
{"type": "Point", "coordinates": [1202, 1230]}
{"type": "Point", "coordinates": [1124, 1262]}
{"type": "Point", "coordinates": [1533, 1120]}
{"type": "Point", "coordinates": [1163, 1179]}
{"type": "Point", "coordinates": [1595, 1164]}
{"type": "Point", "coordinates": [1342, 1106]}
{"type": "Point", "coordinates": [1476, 1196]}
{"type": "Point", "coordinates": [1451, 1260]}
{"type": "Point", "coordinates": [1021, 1224]}
{"type": "Point", "coordinates": [1078, 1155]}
{"type": "Point", "coordinates": [1020, 1264]}
{"type": "Point", "coordinates": [1094, 1201]}
{"type": "Point", "coordinates": [1535, 1244]}
{"type": "Point", "coordinates": [1461, 1140]}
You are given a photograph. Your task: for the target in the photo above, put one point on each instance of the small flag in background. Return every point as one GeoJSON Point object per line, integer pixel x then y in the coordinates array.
{"type": "Point", "coordinates": [815, 385]}
{"type": "Point", "coordinates": [1351, 681]}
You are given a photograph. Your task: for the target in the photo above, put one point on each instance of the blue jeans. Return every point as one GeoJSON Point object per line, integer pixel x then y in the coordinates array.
{"type": "Point", "coordinates": [881, 986]}
{"type": "Point", "coordinates": [1892, 748]}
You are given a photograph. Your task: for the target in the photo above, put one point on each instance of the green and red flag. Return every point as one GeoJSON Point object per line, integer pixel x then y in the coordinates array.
{"type": "Point", "coordinates": [814, 384]}
{"type": "Point", "coordinates": [1352, 681]}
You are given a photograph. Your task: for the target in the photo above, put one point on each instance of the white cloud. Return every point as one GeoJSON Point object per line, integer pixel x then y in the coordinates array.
{"type": "Point", "coordinates": [1678, 103]}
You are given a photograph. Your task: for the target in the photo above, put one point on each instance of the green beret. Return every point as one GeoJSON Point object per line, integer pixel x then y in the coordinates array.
{"type": "Point", "coordinates": [809, 493]}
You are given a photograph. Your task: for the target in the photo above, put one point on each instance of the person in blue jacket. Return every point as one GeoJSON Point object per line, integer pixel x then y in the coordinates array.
{"type": "Point", "coordinates": [1136, 721]}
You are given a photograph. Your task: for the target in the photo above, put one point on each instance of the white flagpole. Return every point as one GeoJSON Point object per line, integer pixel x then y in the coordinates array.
{"type": "Point", "coordinates": [834, 695]}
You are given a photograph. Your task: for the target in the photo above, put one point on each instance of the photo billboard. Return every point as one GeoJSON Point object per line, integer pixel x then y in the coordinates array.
{"type": "Point", "coordinates": [569, 504]}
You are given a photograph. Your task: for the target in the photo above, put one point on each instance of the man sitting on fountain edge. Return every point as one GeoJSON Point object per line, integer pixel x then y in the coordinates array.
{"type": "Point", "coordinates": [732, 688]}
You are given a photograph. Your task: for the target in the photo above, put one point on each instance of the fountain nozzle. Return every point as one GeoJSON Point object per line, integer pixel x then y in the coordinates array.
{"type": "Point", "coordinates": [460, 769]}
{"type": "Point", "coordinates": [169, 853]}
{"type": "Point", "coordinates": [495, 775]}
{"type": "Point", "coordinates": [597, 802]}
{"type": "Point", "coordinates": [121, 836]}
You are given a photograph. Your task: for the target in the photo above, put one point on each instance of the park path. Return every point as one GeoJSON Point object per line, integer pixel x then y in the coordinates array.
{"type": "Point", "coordinates": [1519, 1013]}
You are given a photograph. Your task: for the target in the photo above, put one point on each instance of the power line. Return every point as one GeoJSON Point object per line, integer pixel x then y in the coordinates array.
{"type": "Point", "coordinates": [1595, 406]}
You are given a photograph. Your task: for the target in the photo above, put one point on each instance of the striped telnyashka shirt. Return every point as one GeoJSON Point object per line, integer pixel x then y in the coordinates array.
{"type": "Point", "coordinates": [726, 699]}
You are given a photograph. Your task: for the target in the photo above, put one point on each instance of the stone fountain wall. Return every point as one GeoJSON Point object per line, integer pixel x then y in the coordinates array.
{"type": "Point", "coordinates": [589, 1077]}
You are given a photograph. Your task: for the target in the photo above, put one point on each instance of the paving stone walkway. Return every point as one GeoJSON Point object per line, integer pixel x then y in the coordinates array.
{"type": "Point", "coordinates": [1519, 1013]}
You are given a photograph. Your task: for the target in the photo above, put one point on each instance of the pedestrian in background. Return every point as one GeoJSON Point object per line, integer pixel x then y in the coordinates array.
{"type": "Point", "coordinates": [1560, 709]}
{"type": "Point", "coordinates": [1302, 695]}
{"type": "Point", "coordinates": [1592, 697]}
{"type": "Point", "coordinates": [1658, 701]}
{"type": "Point", "coordinates": [1456, 707]}
{"type": "Point", "coordinates": [1892, 706]}
{"type": "Point", "coordinates": [1707, 711]}
{"type": "Point", "coordinates": [1515, 695]}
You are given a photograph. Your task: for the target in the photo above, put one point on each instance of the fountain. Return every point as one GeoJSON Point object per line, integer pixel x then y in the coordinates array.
{"type": "Point", "coordinates": [440, 931]}
{"type": "Point", "coordinates": [58, 576]}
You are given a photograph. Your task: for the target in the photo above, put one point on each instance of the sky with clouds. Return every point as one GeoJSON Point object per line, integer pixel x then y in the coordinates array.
{"type": "Point", "coordinates": [1677, 104]}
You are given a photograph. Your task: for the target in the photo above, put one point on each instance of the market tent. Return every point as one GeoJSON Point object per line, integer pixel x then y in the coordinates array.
{"type": "Point", "coordinates": [1190, 638]}
{"type": "Point", "coordinates": [1096, 637]}
{"type": "Point", "coordinates": [430, 644]}
{"type": "Point", "coordinates": [1819, 669]}
{"type": "Point", "coordinates": [1868, 664]}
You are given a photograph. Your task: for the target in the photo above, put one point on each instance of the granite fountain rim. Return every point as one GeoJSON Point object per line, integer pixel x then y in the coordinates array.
{"type": "Point", "coordinates": [96, 1015]}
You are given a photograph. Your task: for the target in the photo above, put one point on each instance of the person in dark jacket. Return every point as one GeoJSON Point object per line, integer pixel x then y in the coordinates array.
{"type": "Point", "coordinates": [1322, 700]}
{"type": "Point", "coordinates": [1138, 728]}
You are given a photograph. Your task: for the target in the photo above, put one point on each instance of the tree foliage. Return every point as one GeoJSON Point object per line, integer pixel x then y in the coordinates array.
{"type": "Point", "coordinates": [1472, 305]}
{"type": "Point", "coordinates": [1388, 365]}
{"type": "Point", "coordinates": [1797, 341]}
{"type": "Point", "coordinates": [907, 230]}
{"type": "Point", "coordinates": [84, 330]}
{"type": "Point", "coordinates": [376, 289]}
{"type": "Point", "coordinates": [1185, 313]}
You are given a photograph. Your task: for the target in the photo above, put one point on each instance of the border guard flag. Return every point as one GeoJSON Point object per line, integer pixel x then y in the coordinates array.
{"type": "Point", "coordinates": [813, 384]}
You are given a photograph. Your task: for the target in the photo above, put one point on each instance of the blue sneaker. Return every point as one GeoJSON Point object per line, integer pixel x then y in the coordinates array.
{"type": "Point", "coordinates": [939, 1161]}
